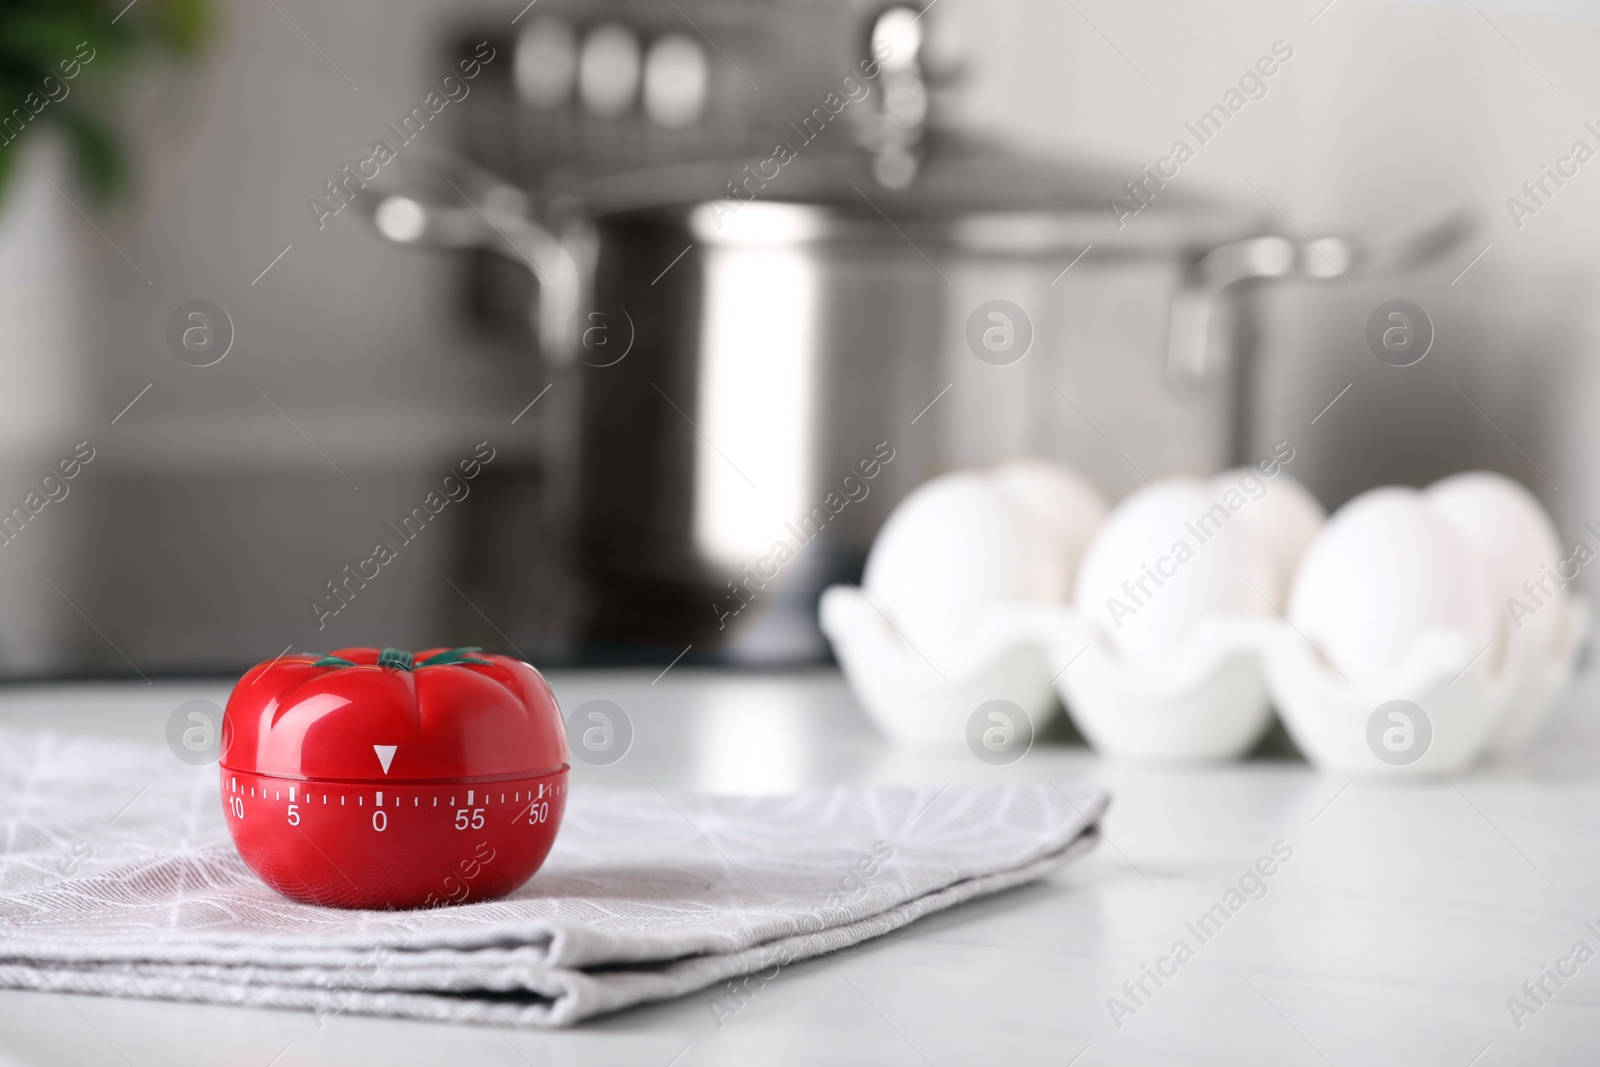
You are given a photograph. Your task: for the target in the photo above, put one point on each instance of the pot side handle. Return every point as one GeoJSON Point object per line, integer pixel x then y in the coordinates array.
{"type": "Point", "coordinates": [444, 201]}
{"type": "Point", "coordinates": [1198, 331]}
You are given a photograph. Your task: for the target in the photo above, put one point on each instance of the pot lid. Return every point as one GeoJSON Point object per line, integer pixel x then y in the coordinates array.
{"type": "Point", "coordinates": [967, 192]}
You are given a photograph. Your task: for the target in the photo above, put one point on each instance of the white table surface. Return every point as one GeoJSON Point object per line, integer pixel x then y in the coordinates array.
{"type": "Point", "coordinates": [1404, 921]}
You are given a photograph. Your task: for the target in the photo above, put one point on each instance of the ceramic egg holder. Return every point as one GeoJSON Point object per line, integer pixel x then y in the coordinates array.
{"type": "Point", "coordinates": [1211, 699]}
{"type": "Point", "coordinates": [1476, 701]}
{"type": "Point", "coordinates": [1330, 716]}
{"type": "Point", "coordinates": [1206, 702]}
{"type": "Point", "coordinates": [925, 707]}
{"type": "Point", "coordinates": [1544, 669]}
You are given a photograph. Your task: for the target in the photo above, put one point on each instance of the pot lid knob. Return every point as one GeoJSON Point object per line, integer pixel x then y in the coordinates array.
{"type": "Point", "coordinates": [895, 137]}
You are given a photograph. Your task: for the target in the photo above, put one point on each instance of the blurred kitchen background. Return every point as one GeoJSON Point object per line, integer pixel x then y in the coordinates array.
{"type": "Point", "coordinates": [366, 365]}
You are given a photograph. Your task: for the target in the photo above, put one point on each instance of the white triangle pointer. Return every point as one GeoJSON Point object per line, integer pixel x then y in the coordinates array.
{"type": "Point", "coordinates": [385, 755]}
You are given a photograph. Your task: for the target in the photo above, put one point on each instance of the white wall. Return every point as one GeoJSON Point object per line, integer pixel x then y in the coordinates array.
{"type": "Point", "coordinates": [1388, 114]}
{"type": "Point", "coordinates": [345, 328]}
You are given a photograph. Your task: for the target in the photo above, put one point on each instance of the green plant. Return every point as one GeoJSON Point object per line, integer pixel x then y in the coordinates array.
{"type": "Point", "coordinates": [62, 62]}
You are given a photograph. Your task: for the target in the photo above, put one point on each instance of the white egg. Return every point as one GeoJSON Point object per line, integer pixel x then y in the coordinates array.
{"type": "Point", "coordinates": [1067, 505]}
{"type": "Point", "coordinates": [954, 546]}
{"type": "Point", "coordinates": [1505, 523]}
{"type": "Point", "coordinates": [1166, 557]}
{"type": "Point", "coordinates": [1385, 568]}
{"type": "Point", "coordinates": [1283, 519]}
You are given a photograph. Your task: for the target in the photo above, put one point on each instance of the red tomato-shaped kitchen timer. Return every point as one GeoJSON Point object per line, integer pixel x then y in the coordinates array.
{"type": "Point", "coordinates": [368, 779]}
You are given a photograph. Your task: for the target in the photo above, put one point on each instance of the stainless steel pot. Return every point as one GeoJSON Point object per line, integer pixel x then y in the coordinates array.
{"type": "Point", "coordinates": [737, 343]}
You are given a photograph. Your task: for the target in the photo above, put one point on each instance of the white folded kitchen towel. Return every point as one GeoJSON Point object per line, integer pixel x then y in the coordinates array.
{"type": "Point", "coordinates": [117, 876]}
